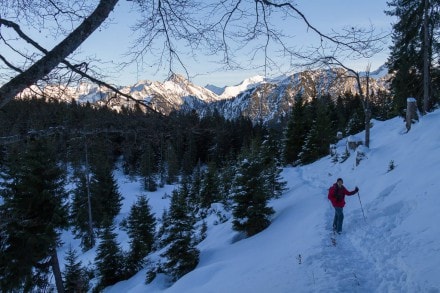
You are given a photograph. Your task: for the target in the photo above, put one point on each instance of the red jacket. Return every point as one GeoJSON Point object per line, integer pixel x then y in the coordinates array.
{"type": "Point", "coordinates": [337, 195]}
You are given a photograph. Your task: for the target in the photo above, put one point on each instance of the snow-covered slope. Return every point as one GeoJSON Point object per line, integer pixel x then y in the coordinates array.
{"type": "Point", "coordinates": [395, 248]}
{"type": "Point", "coordinates": [233, 91]}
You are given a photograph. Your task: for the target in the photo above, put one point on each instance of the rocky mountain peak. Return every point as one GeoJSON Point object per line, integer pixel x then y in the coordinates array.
{"type": "Point", "coordinates": [257, 97]}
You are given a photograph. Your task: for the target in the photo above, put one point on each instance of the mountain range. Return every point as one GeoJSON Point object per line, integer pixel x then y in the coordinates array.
{"type": "Point", "coordinates": [259, 98]}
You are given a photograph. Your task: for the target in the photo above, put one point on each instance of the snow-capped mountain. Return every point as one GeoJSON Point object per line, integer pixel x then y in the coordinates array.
{"type": "Point", "coordinates": [174, 94]}
{"type": "Point", "coordinates": [264, 99]}
{"type": "Point", "coordinates": [260, 98]}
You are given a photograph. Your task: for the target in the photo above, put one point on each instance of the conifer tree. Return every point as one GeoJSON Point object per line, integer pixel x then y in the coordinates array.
{"type": "Point", "coordinates": [181, 254]}
{"type": "Point", "coordinates": [140, 226]}
{"type": "Point", "coordinates": [189, 158]}
{"type": "Point", "coordinates": [147, 168]}
{"type": "Point", "coordinates": [226, 178]}
{"type": "Point", "coordinates": [295, 132]}
{"type": "Point", "coordinates": [356, 116]}
{"type": "Point", "coordinates": [270, 155]}
{"type": "Point", "coordinates": [75, 276]}
{"type": "Point", "coordinates": [321, 132]}
{"type": "Point", "coordinates": [412, 48]}
{"type": "Point", "coordinates": [79, 213]}
{"type": "Point", "coordinates": [250, 194]}
{"type": "Point", "coordinates": [209, 190]}
{"type": "Point", "coordinates": [195, 187]}
{"type": "Point", "coordinates": [106, 198]}
{"type": "Point", "coordinates": [162, 233]}
{"type": "Point", "coordinates": [31, 215]}
{"type": "Point", "coordinates": [109, 259]}
{"type": "Point", "coordinates": [172, 165]}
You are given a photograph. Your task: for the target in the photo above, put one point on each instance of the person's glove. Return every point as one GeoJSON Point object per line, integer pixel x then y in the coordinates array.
{"type": "Point", "coordinates": [356, 189]}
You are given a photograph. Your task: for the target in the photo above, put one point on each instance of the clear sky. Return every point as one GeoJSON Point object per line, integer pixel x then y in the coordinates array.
{"type": "Point", "coordinates": [111, 42]}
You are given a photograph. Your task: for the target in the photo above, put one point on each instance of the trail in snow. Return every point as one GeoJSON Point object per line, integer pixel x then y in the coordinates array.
{"type": "Point", "coordinates": [366, 258]}
{"type": "Point", "coordinates": [362, 253]}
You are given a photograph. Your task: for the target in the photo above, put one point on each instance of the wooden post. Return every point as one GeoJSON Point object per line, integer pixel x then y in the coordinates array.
{"type": "Point", "coordinates": [411, 112]}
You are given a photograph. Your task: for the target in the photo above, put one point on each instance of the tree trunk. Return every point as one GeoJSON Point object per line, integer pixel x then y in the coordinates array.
{"type": "Point", "coordinates": [89, 198]}
{"type": "Point", "coordinates": [367, 109]}
{"type": "Point", "coordinates": [426, 58]}
{"type": "Point", "coordinates": [54, 57]}
{"type": "Point", "coordinates": [56, 271]}
{"type": "Point", "coordinates": [365, 103]}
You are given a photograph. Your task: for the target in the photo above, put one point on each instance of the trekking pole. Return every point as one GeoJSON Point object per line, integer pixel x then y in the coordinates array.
{"type": "Point", "coordinates": [361, 206]}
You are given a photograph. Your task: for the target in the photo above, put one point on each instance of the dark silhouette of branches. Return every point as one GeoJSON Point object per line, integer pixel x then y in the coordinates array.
{"type": "Point", "coordinates": [169, 31]}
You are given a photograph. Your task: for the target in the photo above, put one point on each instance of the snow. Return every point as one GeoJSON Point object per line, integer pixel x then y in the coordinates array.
{"type": "Point", "coordinates": [232, 91]}
{"type": "Point", "coordinates": [394, 248]}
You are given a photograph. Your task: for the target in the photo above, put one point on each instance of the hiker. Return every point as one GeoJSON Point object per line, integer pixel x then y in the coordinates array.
{"type": "Point", "coordinates": [336, 194]}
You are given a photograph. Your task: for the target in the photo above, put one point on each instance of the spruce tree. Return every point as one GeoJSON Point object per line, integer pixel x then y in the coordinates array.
{"type": "Point", "coordinates": [109, 259]}
{"type": "Point", "coordinates": [181, 253]}
{"type": "Point", "coordinates": [295, 132]}
{"type": "Point", "coordinates": [225, 183]}
{"type": "Point", "coordinates": [172, 165]}
{"type": "Point", "coordinates": [270, 154]}
{"type": "Point", "coordinates": [147, 168]}
{"type": "Point", "coordinates": [140, 226]}
{"type": "Point", "coordinates": [106, 198]}
{"type": "Point", "coordinates": [75, 275]}
{"type": "Point", "coordinates": [320, 134]}
{"type": "Point", "coordinates": [195, 187]}
{"type": "Point", "coordinates": [31, 215]}
{"type": "Point", "coordinates": [79, 213]}
{"type": "Point", "coordinates": [209, 190]}
{"type": "Point", "coordinates": [406, 60]}
{"type": "Point", "coordinates": [250, 194]}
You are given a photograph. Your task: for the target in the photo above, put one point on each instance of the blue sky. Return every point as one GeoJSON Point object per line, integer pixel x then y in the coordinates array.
{"type": "Point", "coordinates": [111, 42]}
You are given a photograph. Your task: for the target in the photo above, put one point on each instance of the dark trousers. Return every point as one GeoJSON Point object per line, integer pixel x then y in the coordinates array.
{"type": "Point", "coordinates": [337, 221]}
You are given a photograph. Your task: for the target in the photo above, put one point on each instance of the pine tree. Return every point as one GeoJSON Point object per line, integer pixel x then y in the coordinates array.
{"type": "Point", "coordinates": [172, 164]}
{"type": "Point", "coordinates": [408, 51]}
{"type": "Point", "coordinates": [226, 178]}
{"type": "Point", "coordinates": [251, 213]}
{"type": "Point", "coordinates": [195, 187]}
{"type": "Point", "coordinates": [106, 198]}
{"type": "Point", "coordinates": [31, 215]}
{"type": "Point", "coordinates": [76, 279]}
{"type": "Point", "coordinates": [181, 253]}
{"type": "Point", "coordinates": [356, 120]}
{"type": "Point", "coordinates": [209, 190]}
{"type": "Point", "coordinates": [270, 156]}
{"type": "Point", "coordinates": [109, 259]}
{"type": "Point", "coordinates": [320, 134]}
{"type": "Point", "coordinates": [147, 168]}
{"type": "Point", "coordinates": [295, 132]}
{"type": "Point", "coordinates": [140, 226]}
{"type": "Point", "coordinates": [79, 214]}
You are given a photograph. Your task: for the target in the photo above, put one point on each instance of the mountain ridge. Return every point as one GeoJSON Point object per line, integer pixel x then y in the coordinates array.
{"type": "Point", "coordinates": [257, 97]}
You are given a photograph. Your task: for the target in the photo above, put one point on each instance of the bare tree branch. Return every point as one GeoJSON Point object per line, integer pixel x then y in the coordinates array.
{"type": "Point", "coordinates": [171, 30]}
{"type": "Point", "coordinates": [10, 65]}
{"type": "Point", "coordinates": [43, 66]}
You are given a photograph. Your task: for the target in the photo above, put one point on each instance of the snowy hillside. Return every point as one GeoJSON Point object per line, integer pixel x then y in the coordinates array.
{"type": "Point", "coordinates": [395, 248]}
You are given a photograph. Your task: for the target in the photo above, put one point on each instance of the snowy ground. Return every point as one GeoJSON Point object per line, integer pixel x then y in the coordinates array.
{"type": "Point", "coordinates": [395, 248]}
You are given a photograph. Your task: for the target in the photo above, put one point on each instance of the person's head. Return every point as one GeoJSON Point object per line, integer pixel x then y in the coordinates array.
{"type": "Point", "coordinates": [339, 182]}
